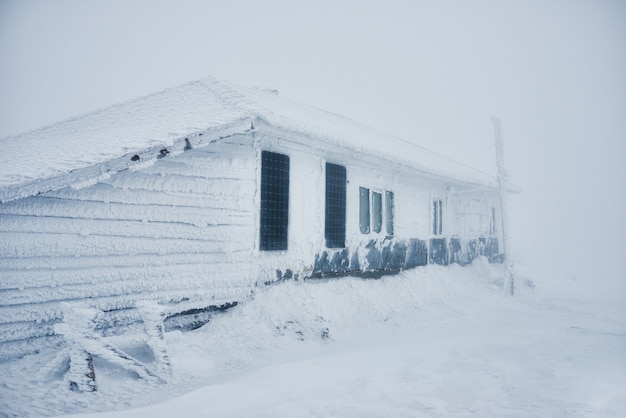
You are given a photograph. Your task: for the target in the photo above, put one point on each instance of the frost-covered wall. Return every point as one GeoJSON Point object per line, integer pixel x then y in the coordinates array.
{"type": "Point", "coordinates": [184, 230]}
{"type": "Point", "coordinates": [412, 241]}
{"type": "Point", "coordinates": [180, 232]}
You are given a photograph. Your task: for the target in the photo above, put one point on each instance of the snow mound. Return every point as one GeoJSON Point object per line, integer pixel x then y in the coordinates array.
{"type": "Point", "coordinates": [431, 341]}
{"type": "Point", "coordinates": [304, 316]}
{"type": "Point", "coordinates": [328, 310]}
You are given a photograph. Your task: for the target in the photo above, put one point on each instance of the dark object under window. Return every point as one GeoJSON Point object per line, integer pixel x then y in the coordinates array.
{"type": "Point", "coordinates": [438, 251]}
{"type": "Point", "coordinates": [364, 210]}
{"type": "Point", "coordinates": [274, 201]}
{"type": "Point", "coordinates": [335, 227]}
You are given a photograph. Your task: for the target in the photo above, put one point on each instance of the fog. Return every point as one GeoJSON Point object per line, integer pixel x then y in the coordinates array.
{"type": "Point", "coordinates": [430, 72]}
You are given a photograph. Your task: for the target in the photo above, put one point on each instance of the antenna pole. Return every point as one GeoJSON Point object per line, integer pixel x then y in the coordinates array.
{"type": "Point", "coordinates": [509, 284]}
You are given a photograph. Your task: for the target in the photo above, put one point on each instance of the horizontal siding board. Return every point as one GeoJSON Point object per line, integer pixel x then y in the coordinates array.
{"type": "Point", "coordinates": [170, 299]}
{"type": "Point", "coordinates": [21, 338]}
{"type": "Point", "coordinates": [207, 169]}
{"type": "Point", "coordinates": [151, 282]}
{"type": "Point", "coordinates": [86, 227]}
{"type": "Point", "coordinates": [106, 193]}
{"type": "Point", "coordinates": [212, 159]}
{"type": "Point", "coordinates": [16, 244]}
{"type": "Point", "coordinates": [23, 330]}
{"type": "Point", "coordinates": [139, 260]}
{"type": "Point", "coordinates": [42, 206]}
{"type": "Point", "coordinates": [182, 184]}
{"type": "Point", "coordinates": [25, 280]}
{"type": "Point", "coordinates": [16, 349]}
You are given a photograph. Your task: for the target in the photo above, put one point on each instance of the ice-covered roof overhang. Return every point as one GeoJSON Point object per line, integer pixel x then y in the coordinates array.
{"type": "Point", "coordinates": [97, 144]}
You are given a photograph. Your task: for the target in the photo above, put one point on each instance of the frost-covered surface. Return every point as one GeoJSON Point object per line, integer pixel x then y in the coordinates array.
{"type": "Point", "coordinates": [432, 341]}
{"type": "Point", "coordinates": [175, 232]}
{"type": "Point", "coordinates": [165, 118]}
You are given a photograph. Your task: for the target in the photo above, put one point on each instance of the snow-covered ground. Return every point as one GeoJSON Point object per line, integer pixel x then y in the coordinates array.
{"type": "Point", "coordinates": [431, 341]}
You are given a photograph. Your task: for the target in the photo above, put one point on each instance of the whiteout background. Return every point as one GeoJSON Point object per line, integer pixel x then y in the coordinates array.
{"type": "Point", "coordinates": [430, 72]}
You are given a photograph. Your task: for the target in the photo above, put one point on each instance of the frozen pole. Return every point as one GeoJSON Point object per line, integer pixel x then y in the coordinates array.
{"type": "Point", "coordinates": [509, 285]}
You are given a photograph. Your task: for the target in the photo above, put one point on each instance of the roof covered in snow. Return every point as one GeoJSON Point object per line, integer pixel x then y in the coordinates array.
{"type": "Point", "coordinates": [45, 158]}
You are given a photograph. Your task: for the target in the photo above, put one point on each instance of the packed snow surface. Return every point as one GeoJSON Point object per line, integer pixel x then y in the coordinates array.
{"type": "Point", "coordinates": [431, 341]}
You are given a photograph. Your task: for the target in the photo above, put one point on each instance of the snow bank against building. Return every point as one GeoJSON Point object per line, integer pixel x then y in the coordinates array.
{"type": "Point", "coordinates": [432, 341]}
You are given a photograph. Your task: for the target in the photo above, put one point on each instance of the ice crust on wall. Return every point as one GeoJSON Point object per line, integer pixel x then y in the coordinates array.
{"type": "Point", "coordinates": [173, 233]}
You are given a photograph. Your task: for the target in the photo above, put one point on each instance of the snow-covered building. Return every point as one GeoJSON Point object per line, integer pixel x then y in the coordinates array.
{"type": "Point", "coordinates": [193, 196]}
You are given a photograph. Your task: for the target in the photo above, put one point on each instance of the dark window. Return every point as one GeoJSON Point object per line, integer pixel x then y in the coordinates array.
{"type": "Point", "coordinates": [335, 228]}
{"type": "Point", "coordinates": [437, 217]}
{"type": "Point", "coordinates": [364, 210]}
{"type": "Point", "coordinates": [492, 222]}
{"type": "Point", "coordinates": [377, 211]}
{"type": "Point", "coordinates": [389, 212]}
{"type": "Point", "coordinates": [274, 201]}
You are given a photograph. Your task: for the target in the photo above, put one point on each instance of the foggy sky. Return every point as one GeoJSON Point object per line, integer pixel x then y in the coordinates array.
{"type": "Point", "coordinates": [430, 72]}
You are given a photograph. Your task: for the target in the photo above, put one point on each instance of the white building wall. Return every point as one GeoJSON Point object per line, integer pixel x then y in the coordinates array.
{"type": "Point", "coordinates": [180, 232]}
{"type": "Point", "coordinates": [186, 230]}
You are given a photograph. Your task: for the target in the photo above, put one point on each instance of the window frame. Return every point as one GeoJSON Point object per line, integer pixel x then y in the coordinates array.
{"type": "Point", "coordinates": [493, 226]}
{"type": "Point", "coordinates": [437, 217]}
{"type": "Point", "coordinates": [274, 201]}
{"type": "Point", "coordinates": [377, 212]}
{"type": "Point", "coordinates": [383, 218]}
{"type": "Point", "coordinates": [335, 215]}
{"type": "Point", "coordinates": [365, 216]}
{"type": "Point", "coordinates": [390, 212]}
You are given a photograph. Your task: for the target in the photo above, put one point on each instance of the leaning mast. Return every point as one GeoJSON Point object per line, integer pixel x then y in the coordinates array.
{"type": "Point", "coordinates": [509, 285]}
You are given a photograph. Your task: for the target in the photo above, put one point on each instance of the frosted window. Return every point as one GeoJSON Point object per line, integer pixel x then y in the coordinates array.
{"type": "Point", "coordinates": [274, 201]}
{"type": "Point", "coordinates": [389, 211]}
{"type": "Point", "coordinates": [377, 211]}
{"type": "Point", "coordinates": [335, 226]}
{"type": "Point", "coordinates": [364, 210]}
{"type": "Point", "coordinates": [437, 217]}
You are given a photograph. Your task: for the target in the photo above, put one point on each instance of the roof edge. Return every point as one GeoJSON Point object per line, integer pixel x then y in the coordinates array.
{"type": "Point", "coordinates": [87, 176]}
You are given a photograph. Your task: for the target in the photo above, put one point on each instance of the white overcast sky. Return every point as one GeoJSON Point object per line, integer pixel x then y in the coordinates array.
{"type": "Point", "coordinates": [434, 72]}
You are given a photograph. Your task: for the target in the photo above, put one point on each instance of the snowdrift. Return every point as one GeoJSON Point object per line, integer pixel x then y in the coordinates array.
{"type": "Point", "coordinates": [432, 341]}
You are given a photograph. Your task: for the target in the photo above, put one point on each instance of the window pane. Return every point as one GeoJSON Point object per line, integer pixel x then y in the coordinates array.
{"type": "Point", "coordinates": [364, 210]}
{"type": "Point", "coordinates": [274, 201]}
{"type": "Point", "coordinates": [437, 217]}
{"type": "Point", "coordinates": [335, 228]}
{"type": "Point", "coordinates": [435, 212]}
{"type": "Point", "coordinates": [377, 209]}
{"type": "Point", "coordinates": [389, 212]}
{"type": "Point", "coordinates": [440, 217]}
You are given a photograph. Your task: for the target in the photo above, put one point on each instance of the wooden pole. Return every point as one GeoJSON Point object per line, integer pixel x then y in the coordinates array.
{"type": "Point", "coordinates": [509, 284]}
